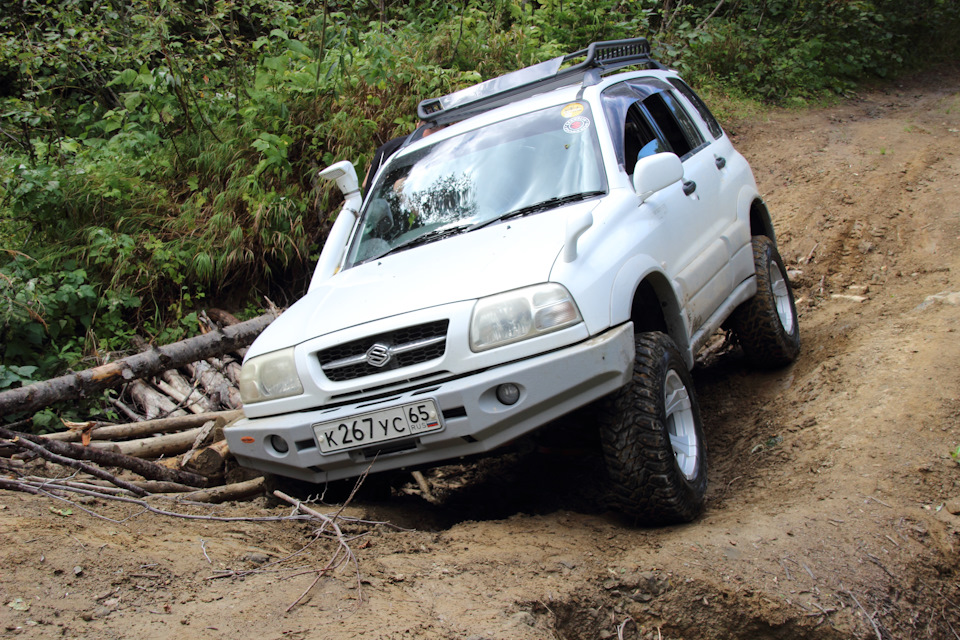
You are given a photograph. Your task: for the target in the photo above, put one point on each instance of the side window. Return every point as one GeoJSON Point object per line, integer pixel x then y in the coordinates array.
{"type": "Point", "coordinates": [715, 129]}
{"type": "Point", "coordinates": [675, 125]}
{"type": "Point", "coordinates": [639, 138]}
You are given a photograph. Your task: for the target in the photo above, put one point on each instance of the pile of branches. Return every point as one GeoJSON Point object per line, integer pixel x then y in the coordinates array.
{"type": "Point", "coordinates": [178, 398]}
{"type": "Point", "coordinates": [180, 455]}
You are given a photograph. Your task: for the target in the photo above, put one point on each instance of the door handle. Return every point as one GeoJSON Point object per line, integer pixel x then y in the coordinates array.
{"type": "Point", "coordinates": [721, 162]}
{"type": "Point", "coordinates": [689, 186]}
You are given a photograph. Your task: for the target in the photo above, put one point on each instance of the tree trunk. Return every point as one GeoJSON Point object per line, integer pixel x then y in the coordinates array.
{"type": "Point", "coordinates": [148, 363]}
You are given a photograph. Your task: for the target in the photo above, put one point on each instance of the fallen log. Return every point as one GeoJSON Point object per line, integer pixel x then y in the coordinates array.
{"type": "Point", "coordinates": [236, 491]}
{"type": "Point", "coordinates": [145, 428]}
{"type": "Point", "coordinates": [192, 405]}
{"type": "Point", "coordinates": [153, 403]}
{"type": "Point", "coordinates": [148, 363]}
{"type": "Point", "coordinates": [228, 368]}
{"type": "Point", "coordinates": [211, 432]}
{"type": "Point", "coordinates": [208, 462]}
{"type": "Point", "coordinates": [216, 385]}
{"type": "Point", "coordinates": [176, 380]}
{"type": "Point", "coordinates": [170, 444]}
{"type": "Point", "coordinates": [147, 470]}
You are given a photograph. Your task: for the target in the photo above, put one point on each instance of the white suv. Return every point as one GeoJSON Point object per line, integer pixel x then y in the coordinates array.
{"type": "Point", "coordinates": [571, 237]}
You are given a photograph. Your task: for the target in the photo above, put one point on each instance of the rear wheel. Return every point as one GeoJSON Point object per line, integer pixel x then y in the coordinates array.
{"type": "Point", "coordinates": [652, 438]}
{"type": "Point", "coordinates": [766, 324]}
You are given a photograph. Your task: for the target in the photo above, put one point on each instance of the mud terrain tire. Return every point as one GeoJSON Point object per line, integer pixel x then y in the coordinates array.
{"type": "Point", "coordinates": [766, 324]}
{"type": "Point", "coordinates": [652, 438]}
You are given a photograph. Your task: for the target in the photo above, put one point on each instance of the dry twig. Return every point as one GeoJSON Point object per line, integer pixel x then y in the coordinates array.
{"type": "Point", "coordinates": [873, 623]}
{"type": "Point", "coordinates": [48, 488]}
{"type": "Point", "coordinates": [343, 553]}
{"type": "Point", "coordinates": [70, 462]}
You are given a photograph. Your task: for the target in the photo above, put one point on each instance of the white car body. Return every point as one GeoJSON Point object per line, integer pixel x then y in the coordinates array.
{"type": "Point", "coordinates": [620, 255]}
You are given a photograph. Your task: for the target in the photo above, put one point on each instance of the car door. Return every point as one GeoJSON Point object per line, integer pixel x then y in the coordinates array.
{"type": "Point", "coordinates": [691, 222]}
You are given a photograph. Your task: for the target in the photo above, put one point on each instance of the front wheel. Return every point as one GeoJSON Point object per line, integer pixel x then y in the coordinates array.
{"type": "Point", "coordinates": [652, 438]}
{"type": "Point", "coordinates": [766, 324]}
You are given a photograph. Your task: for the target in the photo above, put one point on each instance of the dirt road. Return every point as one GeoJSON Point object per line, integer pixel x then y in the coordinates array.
{"type": "Point", "coordinates": [833, 503]}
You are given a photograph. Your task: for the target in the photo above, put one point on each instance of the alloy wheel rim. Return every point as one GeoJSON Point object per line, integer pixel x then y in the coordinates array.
{"type": "Point", "coordinates": [781, 297]}
{"type": "Point", "coordinates": [681, 425]}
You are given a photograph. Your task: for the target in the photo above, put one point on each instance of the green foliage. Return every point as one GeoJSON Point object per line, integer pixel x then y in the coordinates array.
{"type": "Point", "coordinates": [154, 153]}
{"type": "Point", "coordinates": [51, 313]}
{"type": "Point", "coordinates": [788, 51]}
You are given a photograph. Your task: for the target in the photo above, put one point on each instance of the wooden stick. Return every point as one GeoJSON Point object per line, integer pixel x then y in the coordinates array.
{"type": "Point", "coordinates": [192, 406]}
{"type": "Point", "coordinates": [335, 561]}
{"type": "Point", "coordinates": [15, 485]}
{"type": "Point", "coordinates": [204, 437]}
{"type": "Point", "coordinates": [236, 491]}
{"type": "Point", "coordinates": [424, 487]}
{"type": "Point", "coordinates": [125, 410]}
{"type": "Point", "coordinates": [176, 380]}
{"type": "Point", "coordinates": [146, 428]}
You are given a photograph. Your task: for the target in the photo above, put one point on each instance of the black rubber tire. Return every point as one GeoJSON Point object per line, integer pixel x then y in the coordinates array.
{"type": "Point", "coordinates": [770, 337]}
{"type": "Point", "coordinates": [647, 479]}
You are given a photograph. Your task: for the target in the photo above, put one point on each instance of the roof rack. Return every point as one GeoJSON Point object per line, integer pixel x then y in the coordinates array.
{"type": "Point", "coordinates": [599, 58]}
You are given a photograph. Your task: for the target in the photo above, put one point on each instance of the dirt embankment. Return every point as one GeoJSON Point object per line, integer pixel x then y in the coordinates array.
{"type": "Point", "coordinates": [833, 500]}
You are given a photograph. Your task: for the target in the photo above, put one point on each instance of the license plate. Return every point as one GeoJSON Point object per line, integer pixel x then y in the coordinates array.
{"type": "Point", "coordinates": [364, 429]}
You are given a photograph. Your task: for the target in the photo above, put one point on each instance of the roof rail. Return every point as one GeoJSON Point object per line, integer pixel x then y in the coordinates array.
{"type": "Point", "coordinates": [603, 57]}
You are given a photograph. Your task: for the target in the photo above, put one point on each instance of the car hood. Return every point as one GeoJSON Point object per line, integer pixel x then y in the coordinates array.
{"type": "Point", "coordinates": [499, 258]}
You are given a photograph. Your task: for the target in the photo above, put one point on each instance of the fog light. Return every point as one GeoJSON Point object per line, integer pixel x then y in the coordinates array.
{"type": "Point", "coordinates": [508, 393]}
{"type": "Point", "coordinates": [279, 444]}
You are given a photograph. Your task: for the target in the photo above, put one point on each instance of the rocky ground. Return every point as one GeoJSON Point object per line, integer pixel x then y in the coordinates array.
{"type": "Point", "coordinates": [833, 505]}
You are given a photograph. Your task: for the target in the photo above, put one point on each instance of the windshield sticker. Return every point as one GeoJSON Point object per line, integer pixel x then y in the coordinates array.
{"type": "Point", "coordinates": [576, 125]}
{"type": "Point", "coordinates": [571, 110]}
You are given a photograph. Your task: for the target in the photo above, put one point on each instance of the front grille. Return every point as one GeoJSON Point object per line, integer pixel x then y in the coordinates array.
{"type": "Point", "coordinates": [394, 349]}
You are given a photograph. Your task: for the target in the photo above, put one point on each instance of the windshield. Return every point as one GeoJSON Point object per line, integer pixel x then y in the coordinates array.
{"type": "Point", "coordinates": [515, 167]}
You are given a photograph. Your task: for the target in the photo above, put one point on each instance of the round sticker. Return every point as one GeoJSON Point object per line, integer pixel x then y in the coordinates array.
{"type": "Point", "coordinates": [572, 109]}
{"type": "Point", "coordinates": [576, 125]}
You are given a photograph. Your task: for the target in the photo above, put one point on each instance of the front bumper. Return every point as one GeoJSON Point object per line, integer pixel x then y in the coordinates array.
{"type": "Point", "coordinates": [551, 385]}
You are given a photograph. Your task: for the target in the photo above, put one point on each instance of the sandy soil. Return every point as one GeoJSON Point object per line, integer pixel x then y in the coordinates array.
{"type": "Point", "coordinates": [833, 499]}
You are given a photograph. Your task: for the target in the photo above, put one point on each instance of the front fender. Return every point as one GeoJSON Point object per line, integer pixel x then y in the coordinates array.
{"type": "Point", "coordinates": [625, 285]}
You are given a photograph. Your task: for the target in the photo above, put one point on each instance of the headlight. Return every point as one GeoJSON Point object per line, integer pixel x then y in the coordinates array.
{"type": "Point", "coordinates": [521, 314]}
{"type": "Point", "coordinates": [269, 377]}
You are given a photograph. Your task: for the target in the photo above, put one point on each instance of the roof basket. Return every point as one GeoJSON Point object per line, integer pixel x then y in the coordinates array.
{"type": "Point", "coordinates": [603, 57]}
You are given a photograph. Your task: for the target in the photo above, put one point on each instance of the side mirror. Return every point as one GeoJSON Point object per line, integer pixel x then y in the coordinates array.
{"type": "Point", "coordinates": [656, 172]}
{"type": "Point", "coordinates": [345, 174]}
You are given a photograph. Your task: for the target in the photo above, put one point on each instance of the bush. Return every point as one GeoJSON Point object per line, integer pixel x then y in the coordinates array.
{"type": "Point", "coordinates": [153, 154]}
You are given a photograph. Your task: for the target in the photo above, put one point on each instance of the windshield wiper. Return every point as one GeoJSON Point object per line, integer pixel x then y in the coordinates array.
{"type": "Point", "coordinates": [430, 236]}
{"type": "Point", "coordinates": [446, 232]}
{"type": "Point", "coordinates": [550, 203]}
